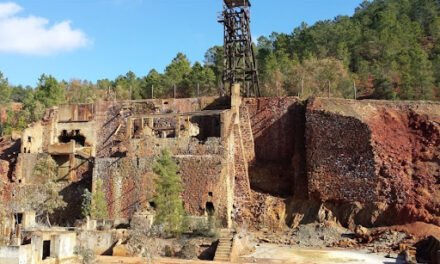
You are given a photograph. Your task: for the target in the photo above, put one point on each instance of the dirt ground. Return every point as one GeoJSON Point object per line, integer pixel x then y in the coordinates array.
{"type": "Point", "coordinates": [269, 253]}
{"type": "Point", "coordinates": [315, 243]}
{"type": "Point", "coordinates": [274, 254]}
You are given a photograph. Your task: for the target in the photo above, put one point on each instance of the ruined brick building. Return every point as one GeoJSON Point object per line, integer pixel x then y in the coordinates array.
{"type": "Point", "coordinates": [117, 142]}
{"type": "Point", "coordinates": [273, 162]}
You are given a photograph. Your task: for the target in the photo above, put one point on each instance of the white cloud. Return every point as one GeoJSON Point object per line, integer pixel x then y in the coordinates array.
{"type": "Point", "coordinates": [8, 9]}
{"type": "Point", "coordinates": [33, 35]}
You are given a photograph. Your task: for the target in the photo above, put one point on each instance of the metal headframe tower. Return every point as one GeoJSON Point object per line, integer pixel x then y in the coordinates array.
{"type": "Point", "coordinates": [239, 58]}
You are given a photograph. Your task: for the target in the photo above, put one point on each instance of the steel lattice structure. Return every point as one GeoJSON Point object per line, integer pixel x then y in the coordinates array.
{"type": "Point", "coordinates": [239, 57]}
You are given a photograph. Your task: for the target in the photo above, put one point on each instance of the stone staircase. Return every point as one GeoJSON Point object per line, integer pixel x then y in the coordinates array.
{"type": "Point", "coordinates": [224, 248]}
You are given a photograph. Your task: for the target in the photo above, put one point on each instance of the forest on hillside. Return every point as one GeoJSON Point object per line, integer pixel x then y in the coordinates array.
{"type": "Point", "coordinates": [389, 49]}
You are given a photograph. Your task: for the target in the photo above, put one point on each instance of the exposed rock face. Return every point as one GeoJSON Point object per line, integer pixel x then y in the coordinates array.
{"type": "Point", "coordinates": [4, 169]}
{"type": "Point", "coordinates": [9, 149]}
{"type": "Point", "coordinates": [385, 155]}
{"type": "Point", "coordinates": [8, 156]}
{"type": "Point", "coordinates": [356, 162]}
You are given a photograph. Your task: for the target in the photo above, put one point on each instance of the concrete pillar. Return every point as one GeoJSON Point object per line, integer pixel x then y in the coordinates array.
{"type": "Point", "coordinates": [16, 240]}
{"type": "Point", "coordinates": [236, 101]}
{"type": "Point", "coordinates": [28, 219]}
{"type": "Point", "coordinates": [72, 165]}
{"type": "Point", "coordinates": [222, 125]}
{"type": "Point", "coordinates": [177, 130]}
{"type": "Point", "coordinates": [129, 128]}
{"type": "Point", "coordinates": [149, 127]}
{"type": "Point", "coordinates": [75, 113]}
{"type": "Point", "coordinates": [90, 224]}
{"type": "Point", "coordinates": [235, 95]}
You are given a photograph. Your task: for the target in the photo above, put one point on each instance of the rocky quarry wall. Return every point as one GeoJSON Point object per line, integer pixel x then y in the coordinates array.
{"type": "Point", "coordinates": [383, 155]}
{"type": "Point", "coordinates": [356, 162]}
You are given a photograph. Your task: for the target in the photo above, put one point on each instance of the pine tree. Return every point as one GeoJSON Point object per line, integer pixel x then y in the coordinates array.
{"type": "Point", "coordinates": [86, 204]}
{"type": "Point", "coordinates": [99, 203]}
{"type": "Point", "coordinates": [94, 204]}
{"type": "Point", "coordinates": [153, 85]}
{"type": "Point", "coordinates": [54, 201]}
{"type": "Point", "coordinates": [175, 74]}
{"type": "Point", "coordinates": [5, 90]}
{"type": "Point", "coordinates": [46, 168]}
{"type": "Point", "coordinates": [169, 205]}
{"type": "Point", "coordinates": [49, 91]}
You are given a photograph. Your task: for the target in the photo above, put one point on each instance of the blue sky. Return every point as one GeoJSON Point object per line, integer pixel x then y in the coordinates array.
{"type": "Point", "coordinates": [96, 39]}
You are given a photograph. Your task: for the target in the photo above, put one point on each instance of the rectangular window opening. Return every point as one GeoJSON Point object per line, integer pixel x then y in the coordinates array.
{"type": "Point", "coordinates": [46, 249]}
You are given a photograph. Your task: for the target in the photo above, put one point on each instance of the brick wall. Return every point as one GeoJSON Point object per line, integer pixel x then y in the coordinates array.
{"type": "Point", "coordinates": [129, 184]}
{"type": "Point", "coordinates": [204, 181]}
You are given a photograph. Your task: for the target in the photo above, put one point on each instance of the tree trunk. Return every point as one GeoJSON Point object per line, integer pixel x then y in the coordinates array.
{"type": "Point", "coordinates": [47, 219]}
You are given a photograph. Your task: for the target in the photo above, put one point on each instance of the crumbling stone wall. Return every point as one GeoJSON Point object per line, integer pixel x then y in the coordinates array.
{"type": "Point", "coordinates": [86, 129]}
{"type": "Point", "coordinates": [32, 139]}
{"type": "Point", "coordinates": [112, 118]}
{"type": "Point", "coordinates": [27, 191]}
{"type": "Point", "coordinates": [108, 120]}
{"type": "Point", "coordinates": [181, 105]}
{"type": "Point", "coordinates": [204, 182]}
{"type": "Point", "coordinates": [125, 163]}
{"type": "Point", "coordinates": [25, 166]}
{"type": "Point", "coordinates": [152, 146]}
{"type": "Point", "coordinates": [278, 134]}
{"type": "Point", "coordinates": [129, 184]}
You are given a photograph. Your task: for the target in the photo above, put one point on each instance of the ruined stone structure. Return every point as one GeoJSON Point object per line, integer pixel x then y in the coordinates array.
{"type": "Point", "coordinates": [264, 161]}
{"type": "Point", "coordinates": [118, 142]}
